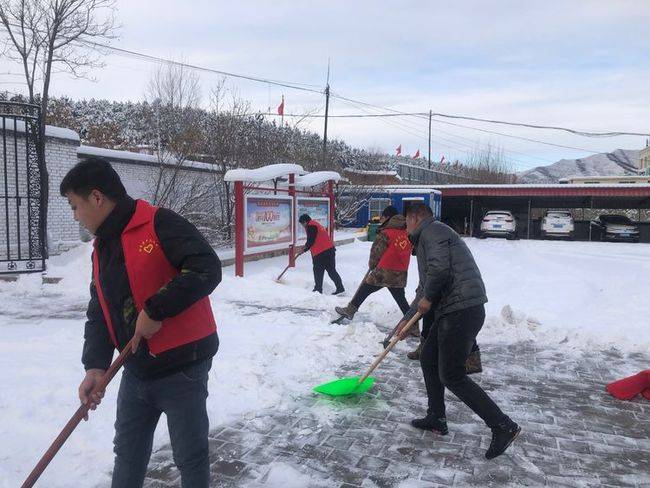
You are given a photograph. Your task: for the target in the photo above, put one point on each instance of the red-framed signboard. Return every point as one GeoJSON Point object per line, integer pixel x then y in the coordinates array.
{"type": "Point", "coordinates": [268, 223]}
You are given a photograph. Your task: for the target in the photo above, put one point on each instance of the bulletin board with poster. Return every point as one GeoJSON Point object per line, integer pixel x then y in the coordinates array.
{"type": "Point", "coordinates": [317, 208]}
{"type": "Point", "coordinates": [268, 222]}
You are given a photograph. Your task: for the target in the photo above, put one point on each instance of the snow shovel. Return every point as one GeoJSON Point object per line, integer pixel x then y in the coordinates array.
{"type": "Point", "coordinates": [356, 385]}
{"type": "Point", "coordinates": [277, 280]}
{"type": "Point", "coordinates": [81, 412]}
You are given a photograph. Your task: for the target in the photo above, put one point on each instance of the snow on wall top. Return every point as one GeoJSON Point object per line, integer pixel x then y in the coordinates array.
{"type": "Point", "coordinates": [316, 178]}
{"type": "Point", "coordinates": [133, 156]}
{"type": "Point", "coordinates": [265, 173]}
{"type": "Point", "coordinates": [50, 130]}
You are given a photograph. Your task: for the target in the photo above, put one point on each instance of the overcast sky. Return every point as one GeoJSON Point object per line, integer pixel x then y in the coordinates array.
{"type": "Point", "coordinates": [582, 64]}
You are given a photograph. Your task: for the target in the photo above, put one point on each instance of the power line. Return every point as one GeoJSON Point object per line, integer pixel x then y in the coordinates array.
{"type": "Point", "coordinates": [157, 59]}
{"type": "Point", "coordinates": [550, 127]}
{"type": "Point", "coordinates": [472, 128]}
{"type": "Point", "coordinates": [426, 114]}
{"type": "Point", "coordinates": [517, 137]}
{"type": "Point", "coordinates": [395, 113]}
{"type": "Point", "coordinates": [449, 144]}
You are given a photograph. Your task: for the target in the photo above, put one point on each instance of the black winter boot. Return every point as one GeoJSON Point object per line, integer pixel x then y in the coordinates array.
{"type": "Point", "coordinates": [502, 437]}
{"type": "Point", "coordinates": [438, 425]}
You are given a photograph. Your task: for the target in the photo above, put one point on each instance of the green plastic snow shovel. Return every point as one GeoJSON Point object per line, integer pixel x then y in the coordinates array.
{"type": "Point", "coordinates": [358, 385]}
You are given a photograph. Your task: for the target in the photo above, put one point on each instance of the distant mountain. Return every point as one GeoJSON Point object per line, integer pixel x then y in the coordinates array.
{"type": "Point", "coordinates": [617, 163]}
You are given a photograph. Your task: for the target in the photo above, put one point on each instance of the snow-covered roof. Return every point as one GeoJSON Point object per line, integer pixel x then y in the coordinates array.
{"type": "Point", "coordinates": [265, 173]}
{"type": "Point", "coordinates": [433, 170]}
{"type": "Point", "coordinates": [408, 190]}
{"type": "Point", "coordinates": [607, 178]}
{"type": "Point", "coordinates": [317, 177]}
{"type": "Point", "coordinates": [522, 185]}
{"type": "Point", "coordinates": [114, 154]}
{"type": "Point", "coordinates": [368, 172]}
{"type": "Point", "coordinates": [50, 131]}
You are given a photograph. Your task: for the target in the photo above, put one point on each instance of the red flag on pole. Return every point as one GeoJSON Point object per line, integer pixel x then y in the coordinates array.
{"type": "Point", "coordinates": [281, 107]}
{"type": "Point", "coordinates": [399, 150]}
{"type": "Point", "coordinates": [417, 154]}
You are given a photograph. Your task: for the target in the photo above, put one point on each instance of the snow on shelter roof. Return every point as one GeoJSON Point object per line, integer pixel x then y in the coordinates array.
{"type": "Point", "coordinates": [316, 178]}
{"type": "Point", "coordinates": [265, 173]}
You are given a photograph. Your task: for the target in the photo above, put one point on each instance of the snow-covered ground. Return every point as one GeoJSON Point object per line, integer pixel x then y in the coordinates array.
{"type": "Point", "coordinates": [276, 340]}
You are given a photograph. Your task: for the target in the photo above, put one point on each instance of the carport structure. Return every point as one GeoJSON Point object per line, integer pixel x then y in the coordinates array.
{"type": "Point", "coordinates": [463, 206]}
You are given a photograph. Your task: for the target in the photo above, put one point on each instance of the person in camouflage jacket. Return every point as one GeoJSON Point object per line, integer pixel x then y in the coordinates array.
{"type": "Point", "coordinates": [387, 266]}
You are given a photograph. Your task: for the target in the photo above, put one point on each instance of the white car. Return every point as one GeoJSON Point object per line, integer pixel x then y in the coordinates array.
{"type": "Point", "coordinates": [616, 228]}
{"type": "Point", "coordinates": [499, 223]}
{"type": "Point", "coordinates": [557, 223]}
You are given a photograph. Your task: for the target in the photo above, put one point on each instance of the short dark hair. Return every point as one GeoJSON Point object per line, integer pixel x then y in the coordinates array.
{"type": "Point", "coordinates": [419, 209]}
{"type": "Point", "coordinates": [304, 218]}
{"type": "Point", "coordinates": [93, 174]}
{"type": "Point", "coordinates": [389, 212]}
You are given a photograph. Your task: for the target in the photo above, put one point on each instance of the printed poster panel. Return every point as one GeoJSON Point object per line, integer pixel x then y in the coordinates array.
{"type": "Point", "coordinates": [268, 223]}
{"type": "Point", "coordinates": [317, 208]}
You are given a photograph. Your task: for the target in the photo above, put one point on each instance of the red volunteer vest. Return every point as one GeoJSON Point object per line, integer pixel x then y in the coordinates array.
{"type": "Point", "coordinates": [323, 241]}
{"type": "Point", "coordinates": [398, 253]}
{"type": "Point", "coordinates": [148, 270]}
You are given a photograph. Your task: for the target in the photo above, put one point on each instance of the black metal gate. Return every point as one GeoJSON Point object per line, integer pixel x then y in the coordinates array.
{"type": "Point", "coordinates": [22, 235]}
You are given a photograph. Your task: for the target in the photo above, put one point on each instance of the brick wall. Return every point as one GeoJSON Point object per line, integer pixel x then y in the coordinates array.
{"type": "Point", "coordinates": [139, 174]}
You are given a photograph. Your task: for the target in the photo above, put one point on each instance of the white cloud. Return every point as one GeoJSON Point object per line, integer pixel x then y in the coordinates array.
{"type": "Point", "coordinates": [579, 63]}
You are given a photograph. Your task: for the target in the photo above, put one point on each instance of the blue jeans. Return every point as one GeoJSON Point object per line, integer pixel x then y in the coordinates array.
{"type": "Point", "coordinates": [181, 396]}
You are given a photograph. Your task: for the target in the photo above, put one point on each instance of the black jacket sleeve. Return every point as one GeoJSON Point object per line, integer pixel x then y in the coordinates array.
{"type": "Point", "coordinates": [438, 268]}
{"type": "Point", "coordinates": [312, 232]}
{"type": "Point", "coordinates": [98, 348]}
{"type": "Point", "coordinates": [187, 250]}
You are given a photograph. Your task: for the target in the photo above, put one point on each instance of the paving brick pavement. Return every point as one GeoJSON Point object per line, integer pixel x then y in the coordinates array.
{"type": "Point", "coordinates": [574, 434]}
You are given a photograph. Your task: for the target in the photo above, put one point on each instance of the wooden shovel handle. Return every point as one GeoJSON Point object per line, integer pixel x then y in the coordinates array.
{"type": "Point", "coordinates": [282, 274]}
{"type": "Point", "coordinates": [392, 343]}
{"type": "Point", "coordinates": [75, 419]}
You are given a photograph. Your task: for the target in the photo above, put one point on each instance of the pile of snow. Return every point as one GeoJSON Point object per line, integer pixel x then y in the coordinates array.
{"type": "Point", "coordinates": [570, 296]}
{"type": "Point", "coordinates": [582, 295]}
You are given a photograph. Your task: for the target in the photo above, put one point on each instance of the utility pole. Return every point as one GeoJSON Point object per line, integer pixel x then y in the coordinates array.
{"type": "Point", "coordinates": [327, 106]}
{"type": "Point", "coordinates": [429, 139]}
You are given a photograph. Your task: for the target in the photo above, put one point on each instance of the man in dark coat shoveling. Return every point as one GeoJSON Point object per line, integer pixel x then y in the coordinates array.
{"type": "Point", "coordinates": [451, 297]}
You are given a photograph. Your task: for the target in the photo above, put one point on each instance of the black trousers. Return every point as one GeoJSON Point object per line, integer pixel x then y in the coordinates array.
{"type": "Point", "coordinates": [449, 340]}
{"type": "Point", "coordinates": [326, 261]}
{"type": "Point", "coordinates": [365, 290]}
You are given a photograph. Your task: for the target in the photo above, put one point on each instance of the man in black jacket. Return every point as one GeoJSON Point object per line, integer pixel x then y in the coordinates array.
{"type": "Point", "coordinates": [176, 321]}
{"type": "Point", "coordinates": [451, 297]}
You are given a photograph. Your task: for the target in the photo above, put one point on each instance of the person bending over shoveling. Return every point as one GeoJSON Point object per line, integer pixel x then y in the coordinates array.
{"type": "Point", "coordinates": [323, 254]}
{"type": "Point", "coordinates": [152, 274]}
{"type": "Point", "coordinates": [451, 297]}
{"type": "Point", "coordinates": [388, 265]}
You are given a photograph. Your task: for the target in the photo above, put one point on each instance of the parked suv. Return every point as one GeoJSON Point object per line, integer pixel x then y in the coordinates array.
{"type": "Point", "coordinates": [499, 223]}
{"type": "Point", "coordinates": [616, 228]}
{"type": "Point", "coordinates": [557, 223]}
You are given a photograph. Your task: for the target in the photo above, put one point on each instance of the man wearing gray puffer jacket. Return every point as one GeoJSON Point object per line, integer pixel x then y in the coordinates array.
{"type": "Point", "coordinates": [451, 297]}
